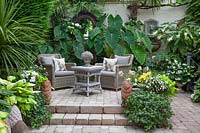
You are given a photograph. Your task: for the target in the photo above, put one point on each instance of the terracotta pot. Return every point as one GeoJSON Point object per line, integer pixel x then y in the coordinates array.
{"type": "Point", "coordinates": [46, 89]}
{"type": "Point", "coordinates": [126, 90]}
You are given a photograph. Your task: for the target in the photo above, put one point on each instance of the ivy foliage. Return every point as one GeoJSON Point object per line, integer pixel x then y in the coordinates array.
{"type": "Point", "coordinates": [148, 109]}
{"type": "Point", "coordinates": [39, 113]}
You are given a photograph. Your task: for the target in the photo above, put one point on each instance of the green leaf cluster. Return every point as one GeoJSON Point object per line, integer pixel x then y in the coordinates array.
{"type": "Point", "coordinates": [196, 96]}
{"type": "Point", "coordinates": [148, 109]}
{"type": "Point", "coordinates": [179, 37]}
{"type": "Point", "coordinates": [36, 116]}
{"type": "Point", "coordinates": [171, 89]}
{"type": "Point", "coordinates": [17, 92]}
{"type": "Point", "coordinates": [102, 40]}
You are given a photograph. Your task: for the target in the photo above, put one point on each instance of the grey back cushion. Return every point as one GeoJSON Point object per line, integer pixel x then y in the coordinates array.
{"type": "Point", "coordinates": [122, 59]}
{"type": "Point", "coordinates": [47, 60]}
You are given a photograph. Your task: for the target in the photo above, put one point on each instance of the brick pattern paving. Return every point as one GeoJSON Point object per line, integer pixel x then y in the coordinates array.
{"type": "Point", "coordinates": [186, 117]}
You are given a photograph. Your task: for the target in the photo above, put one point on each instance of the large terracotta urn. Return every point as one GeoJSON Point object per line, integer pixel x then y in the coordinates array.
{"type": "Point", "coordinates": [126, 90]}
{"type": "Point", "coordinates": [46, 90]}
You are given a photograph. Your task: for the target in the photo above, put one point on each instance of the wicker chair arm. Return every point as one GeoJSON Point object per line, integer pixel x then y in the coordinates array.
{"type": "Point", "coordinates": [69, 65]}
{"type": "Point", "coordinates": [98, 64]}
{"type": "Point", "coordinates": [50, 71]}
{"type": "Point", "coordinates": [124, 68]}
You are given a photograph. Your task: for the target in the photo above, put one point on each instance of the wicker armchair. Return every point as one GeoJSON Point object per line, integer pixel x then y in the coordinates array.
{"type": "Point", "coordinates": [58, 79]}
{"type": "Point", "coordinates": [112, 80]}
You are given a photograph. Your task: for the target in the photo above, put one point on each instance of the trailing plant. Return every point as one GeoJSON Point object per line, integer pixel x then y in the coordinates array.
{"type": "Point", "coordinates": [18, 37]}
{"type": "Point", "coordinates": [37, 115]}
{"type": "Point", "coordinates": [148, 109]}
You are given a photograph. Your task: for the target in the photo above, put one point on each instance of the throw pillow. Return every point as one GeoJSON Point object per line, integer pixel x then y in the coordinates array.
{"type": "Point", "coordinates": [59, 64]}
{"type": "Point", "coordinates": [110, 64]}
{"type": "Point", "coordinates": [122, 59]}
{"type": "Point", "coordinates": [47, 60]}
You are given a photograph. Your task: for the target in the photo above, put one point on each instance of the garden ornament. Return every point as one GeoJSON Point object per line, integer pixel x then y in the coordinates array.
{"type": "Point", "coordinates": [125, 90]}
{"type": "Point", "coordinates": [87, 57]}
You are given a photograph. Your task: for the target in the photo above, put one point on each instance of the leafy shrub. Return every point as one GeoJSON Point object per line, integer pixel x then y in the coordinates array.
{"type": "Point", "coordinates": [171, 85]}
{"type": "Point", "coordinates": [197, 85]}
{"type": "Point", "coordinates": [148, 109]}
{"type": "Point", "coordinates": [178, 71]}
{"type": "Point", "coordinates": [196, 96]}
{"type": "Point", "coordinates": [37, 114]}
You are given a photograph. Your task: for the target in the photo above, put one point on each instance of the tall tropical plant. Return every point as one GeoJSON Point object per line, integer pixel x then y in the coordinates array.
{"type": "Point", "coordinates": [18, 37]}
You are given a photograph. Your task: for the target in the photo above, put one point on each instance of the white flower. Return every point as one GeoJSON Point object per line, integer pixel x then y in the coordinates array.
{"type": "Point", "coordinates": [139, 68]}
{"type": "Point", "coordinates": [32, 79]}
{"type": "Point", "coordinates": [131, 72]}
{"type": "Point", "coordinates": [34, 73]}
{"type": "Point", "coordinates": [121, 74]}
{"type": "Point", "coordinates": [77, 25]}
{"type": "Point", "coordinates": [170, 39]}
{"type": "Point", "coordinates": [129, 79]}
{"type": "Point", "coordinates": [192, 95]}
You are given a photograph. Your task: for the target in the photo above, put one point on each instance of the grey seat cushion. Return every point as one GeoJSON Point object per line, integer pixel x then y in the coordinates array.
{"type": "Point", "coordinates": [63, 73]}
{"type": "Point", "coordinates": [108, 73]}
{"type": "Point", "coordinates": [122, 59]}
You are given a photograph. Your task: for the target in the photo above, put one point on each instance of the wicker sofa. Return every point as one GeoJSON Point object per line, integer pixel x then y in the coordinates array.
{"type": "Point", "coordinates": [112, 80]}
{"type": "Point", "coordinates": [60, 79]}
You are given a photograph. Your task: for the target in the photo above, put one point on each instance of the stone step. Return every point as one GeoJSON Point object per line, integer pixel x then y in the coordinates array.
{"type": "Point", "coordinates": [87, 119]}
{"type": "Point", "coordinates": [86, 108]}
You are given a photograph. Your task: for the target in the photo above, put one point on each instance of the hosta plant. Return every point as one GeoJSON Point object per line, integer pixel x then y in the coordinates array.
{"type": "Point", "coordinates": [148, 109]}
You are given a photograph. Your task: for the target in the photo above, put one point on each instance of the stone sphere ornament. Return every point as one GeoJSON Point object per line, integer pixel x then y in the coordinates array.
{"type": "Point", "coordinates": [87, 57]}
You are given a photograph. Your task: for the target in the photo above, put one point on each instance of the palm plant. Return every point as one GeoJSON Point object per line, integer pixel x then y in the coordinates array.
{"type": "Point", "coordinates": [18, 37]}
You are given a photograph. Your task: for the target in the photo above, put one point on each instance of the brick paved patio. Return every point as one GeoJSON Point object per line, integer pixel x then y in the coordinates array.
{"type": "Point", "coordinates": [65, 106]}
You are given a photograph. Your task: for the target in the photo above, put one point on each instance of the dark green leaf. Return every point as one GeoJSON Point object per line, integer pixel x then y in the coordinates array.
{"type": "Point", "coordinates": [139, 52]}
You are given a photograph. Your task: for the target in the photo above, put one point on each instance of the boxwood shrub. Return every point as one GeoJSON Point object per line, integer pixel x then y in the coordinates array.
{"type": "Point", "coordinates": [148, 109]}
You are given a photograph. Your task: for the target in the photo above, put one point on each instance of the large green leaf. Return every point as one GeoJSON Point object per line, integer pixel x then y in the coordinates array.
{"type": "Point", "coordinates": [4, 103]}
{"type": "Point", "coordinates": [5, 92]}
{"type": "Point", "coordinates": [78, 50]}
{"type": "Point", "coordinates": [58, 33]}
{"type": "Point", "coordinates": [98, 45]}
{"type": "Point", "coordinates": [128, 36]}
{"type": "Point", "coordinates": [139, 52]}
{"type": "Point", "coordinates": [79, 37]}
{"type": "Point", "coordinates": [144, 39]}
{"type": "Point", "coordinates": [93, 33]}
{"type": "Point", "coordinates": [90, 43]}
{"type": "Point", "coordinates": [63, 44]}
{"type": "Point", "coordinates": [112, 38]}
{"type": "Point", "coordinates": [119, 50]}
{"type": "Point", "coordinates": [114, 23]}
